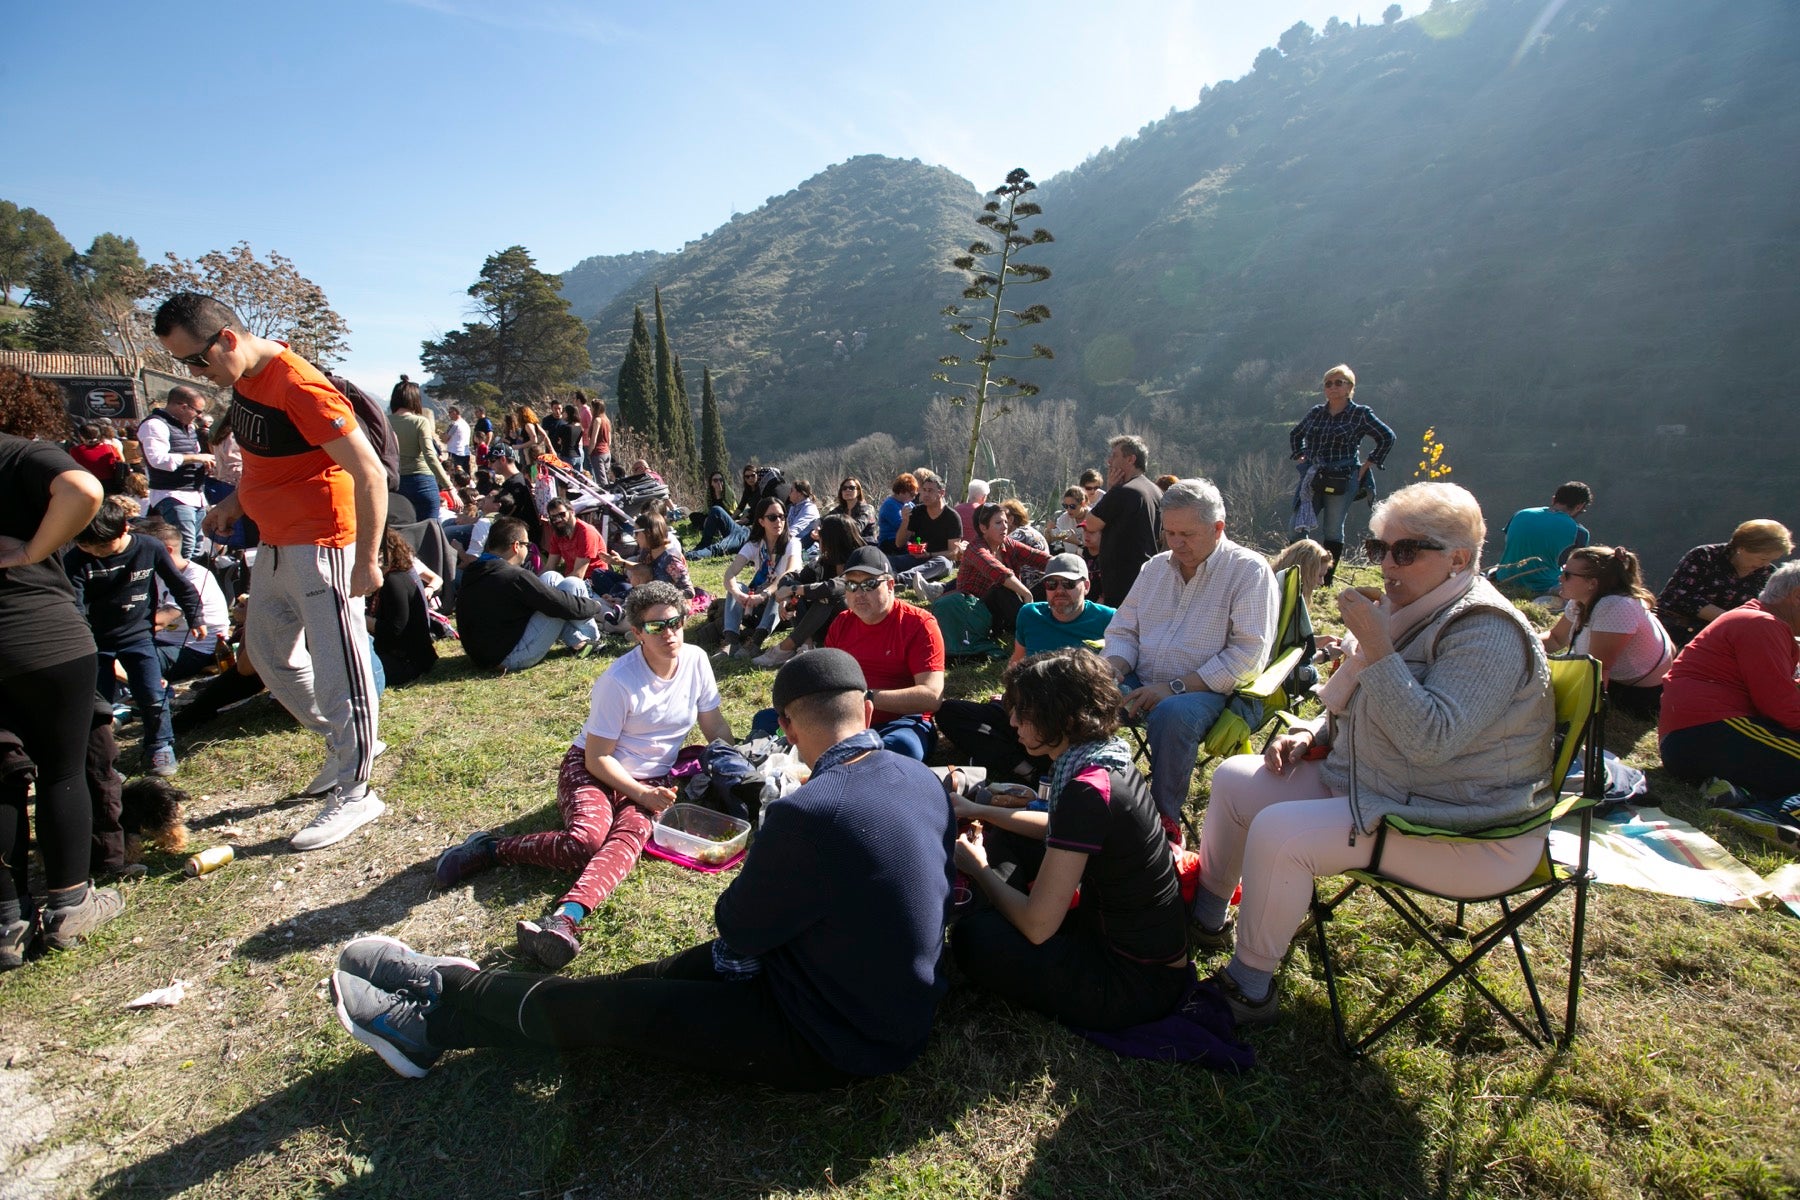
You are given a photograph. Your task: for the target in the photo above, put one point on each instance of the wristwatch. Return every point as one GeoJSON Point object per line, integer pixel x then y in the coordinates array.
{"type": "Point", "coordinates": [1177, 686]}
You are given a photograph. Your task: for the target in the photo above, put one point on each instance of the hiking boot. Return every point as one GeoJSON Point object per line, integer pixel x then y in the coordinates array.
{"type": "Point", "coordinates": [774, 656]}
{"type": "Point", "coordinates": [338, 820]}
{"type": "Point", "coordinates": [391, 1024]}
{"type": "Point", "coordinates": [67, 928]}
{"type": "Point", "coordinates": [552, 941]}
{"type": "Point", "coordinates": [1202, 940]}
{"type": "Point", "coordinates": [325, 782]}
{"type": "Point", "coordinates": [1244, 1010]}
{"type": "Point", "coordinates": [393, 966]}
{"type": "Point", "coordinates": [15, 941]}
{"type": "Point", "coordinates": [474, 855]}
{"type": "Point", "coordinates": [162, 762]}
{"type": "Point", "coordinates": [727, 646]}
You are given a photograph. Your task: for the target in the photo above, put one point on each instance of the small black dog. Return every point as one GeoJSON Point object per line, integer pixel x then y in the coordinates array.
{"type": "Point", "coordinates": [152, 813]}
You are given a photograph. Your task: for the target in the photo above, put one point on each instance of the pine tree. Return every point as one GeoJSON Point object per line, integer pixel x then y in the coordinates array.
{"type": "Point", "coordinates": [524, 340]}
{"type": "Point", "coordinates": [60, 319]}
{"type": "Point", "coordinates": [637, 381]}
{"type": "Point", "coordinates": [715, 458]}
{"type": "Point", "coordinates": [667, 439]}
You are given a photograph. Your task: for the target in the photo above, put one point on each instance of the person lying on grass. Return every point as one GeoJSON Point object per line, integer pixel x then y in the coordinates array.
{"type": "Point", "coordinates": [614, 779]}
{"type": "Point", "coordinates": [826, 967]}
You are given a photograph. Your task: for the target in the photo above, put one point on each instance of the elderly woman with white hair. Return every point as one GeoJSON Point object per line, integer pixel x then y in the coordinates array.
{"type": "Point", "coordinates": [1441, 711]}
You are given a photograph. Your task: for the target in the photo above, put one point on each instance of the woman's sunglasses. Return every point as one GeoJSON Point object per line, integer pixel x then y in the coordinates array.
{"type": "Point", "coordinates": [1403, 551]}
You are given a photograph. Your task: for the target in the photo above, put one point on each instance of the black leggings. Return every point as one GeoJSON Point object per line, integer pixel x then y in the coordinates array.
{"type": "Point", "coordinates": [678, 1009]}
{"type": "Point", "coordinates": [52, 710]}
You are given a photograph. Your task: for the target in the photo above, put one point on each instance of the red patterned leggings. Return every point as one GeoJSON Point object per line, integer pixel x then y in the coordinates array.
{"type": "Point", "coordinates": [601, 837]}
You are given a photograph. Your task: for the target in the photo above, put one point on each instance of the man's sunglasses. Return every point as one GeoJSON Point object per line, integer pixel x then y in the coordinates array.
{"type": "Point", "coordinates": [1052, 583]}
{"type": "Point", "coordinates": [867, 585]}
{"type": "Point", "coordinates": [198, 358]}
{"type": "Point", "coordinates": [1403, 551]}
{"type": "Point", "coordinates": [655, 628]}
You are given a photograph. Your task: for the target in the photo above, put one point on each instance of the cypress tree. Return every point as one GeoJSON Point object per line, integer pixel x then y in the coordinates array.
{"type": "Point", "coordinates": [667, 439]}
{"type": "Point", "coordinates": [684, 418]}
{"type": "Point", "coordinates": [713, 454]}
{"type": "Point", "coordinates": [636, 388]}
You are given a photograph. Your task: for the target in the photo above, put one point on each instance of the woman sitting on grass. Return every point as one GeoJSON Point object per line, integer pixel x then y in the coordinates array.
{"type": "Point", "coordinates": [1610, 614]}
{"type": "Point", "coordinates": [818, 589]}
{"type": "Point", "coordinates": [992, 568]}
{"type": "Point", "coordinates": [768, 555]}
{"type": "Point", "coordinates": [614, 779]}
{"type": "Point", "coordinates": [1120, 959]}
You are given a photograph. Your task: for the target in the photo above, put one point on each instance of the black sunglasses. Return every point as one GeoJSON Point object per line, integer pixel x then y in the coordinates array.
{"type": "Point", "coordinates": [678, 624]}
{"type": "Point", "coordinates": [198, 359]}
{"type": "Point", "coordinates": [1403, 551]}
{"type": "Point", "coordinates": [1054, 583]}
{"type": "Point", "coordinates": [868, 585]}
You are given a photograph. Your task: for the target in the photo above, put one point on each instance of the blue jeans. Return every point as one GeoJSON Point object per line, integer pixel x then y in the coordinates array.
{"type": "Point", "coordinates": [911, 735]}
{"type": "Point", "coordinates": [422, 490]}
{"type": "Point", "coordinates": [184, 517]}
{"type": "Point", "coordinates": [766, 617]}
{"type": "Point", "coordinates": [544, 631]}
{"type": "Point", "coordinates": [929, 566]}
{"type": "Point", "coordinates": [720, 534]}
{"type": "Point", "coordinates": [143, 671]}
{"type": "Point", "coordinates": [1175, 728]}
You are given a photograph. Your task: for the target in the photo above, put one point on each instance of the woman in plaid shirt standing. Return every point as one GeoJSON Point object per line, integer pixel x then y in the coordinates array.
{"type": "Point", "coordinates": [1326, 441]}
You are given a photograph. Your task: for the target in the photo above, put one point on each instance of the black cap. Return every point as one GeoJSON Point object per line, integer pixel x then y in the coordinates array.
{"type": "Point", "coordinates": [817, 671]}
{"type": "Point", "coordinates": [868, 559]}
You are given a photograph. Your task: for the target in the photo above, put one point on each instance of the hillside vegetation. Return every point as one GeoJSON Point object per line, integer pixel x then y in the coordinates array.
{"type": "Point", "coordinates": [1552, 244]}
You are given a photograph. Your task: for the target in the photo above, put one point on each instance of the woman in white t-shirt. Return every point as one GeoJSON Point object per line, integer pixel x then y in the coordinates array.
{"type": "Point", "coordinates": [615, 778]}
{"type": "Point", "coordinates": [1610, 614]}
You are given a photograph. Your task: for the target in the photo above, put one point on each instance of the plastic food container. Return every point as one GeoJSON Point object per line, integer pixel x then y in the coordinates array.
{"type": "Point", "coordinates": [700, 833]}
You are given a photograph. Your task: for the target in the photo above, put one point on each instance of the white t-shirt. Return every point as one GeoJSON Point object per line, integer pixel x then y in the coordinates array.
{"type": "Point", "coordinates": [456, 438]}
{"type": "Point", "coordinates": [213, 610]}
{"type": "Point", "coordinates": [647, 717]}
{"type": "Point", "coordinates": [1647, 645]}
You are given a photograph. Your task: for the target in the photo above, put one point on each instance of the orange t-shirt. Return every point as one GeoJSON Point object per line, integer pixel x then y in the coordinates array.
{"type": "Point", "coordinates": [291, 488]}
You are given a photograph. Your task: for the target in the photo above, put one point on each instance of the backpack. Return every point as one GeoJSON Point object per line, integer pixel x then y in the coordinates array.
{"type": "Point", "coordinates": [966, 624]}
{"type": "Point", "coordinates": [375, 427]}
{"type": "Point", "coordinates": [769, 482]}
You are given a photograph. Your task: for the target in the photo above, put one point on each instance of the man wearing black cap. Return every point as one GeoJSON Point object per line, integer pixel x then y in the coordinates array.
{"type": "Point", "coordinates": [899, 649]}
{"type": "Point", "coordinates": [825, 969]}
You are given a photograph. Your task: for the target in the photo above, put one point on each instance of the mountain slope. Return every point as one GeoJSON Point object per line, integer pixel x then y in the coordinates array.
{"type": "Point", "coordinates": [590, 283]}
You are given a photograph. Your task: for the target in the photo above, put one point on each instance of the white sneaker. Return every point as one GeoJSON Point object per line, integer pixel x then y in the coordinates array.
{"type": "Point", "coordinates": [325, 782]}
{"type": "Point", "coordinates": [338, 820]}
{"type": "Point", "coordinates": [930, 590]}
{"type": "Point", "coordinates": [774, 656]}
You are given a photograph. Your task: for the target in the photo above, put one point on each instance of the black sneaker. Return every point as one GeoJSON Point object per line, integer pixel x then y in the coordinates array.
{"type": "Point", "coordinates": [553, 941]}
{"type": "Point", "coordinates": [393, 966]}
{"type": "Point", "coordinates": [392, 1024]}
{"type": "Point", "coordinates": [67, 928]}
{"type": "Point", "coordinates": [474, 854]}
{"type": "Point", "coordinates": [1243, 1009]}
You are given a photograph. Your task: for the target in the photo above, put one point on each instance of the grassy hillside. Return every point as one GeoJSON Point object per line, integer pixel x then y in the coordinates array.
{"type": "Point", "coordinates": [592, 282]}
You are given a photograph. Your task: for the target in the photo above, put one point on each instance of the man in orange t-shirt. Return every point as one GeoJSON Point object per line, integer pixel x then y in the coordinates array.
{"type": "Point", "coordinates": [318, 494]}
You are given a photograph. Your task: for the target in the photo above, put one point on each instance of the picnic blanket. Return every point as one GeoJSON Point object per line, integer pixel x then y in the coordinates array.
{"type": "Point", "coordinates": [1651, 851]}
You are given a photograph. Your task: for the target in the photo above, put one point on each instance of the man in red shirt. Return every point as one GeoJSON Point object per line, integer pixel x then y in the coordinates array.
{"type": "Point", "coordinates": [318, 494]}
{"type": "Point", "coordinates": [1730, 707]}
{"type": "Point", "coordinates": [899, 649]}
{"type": "Point", "coordinates": [570, 544]}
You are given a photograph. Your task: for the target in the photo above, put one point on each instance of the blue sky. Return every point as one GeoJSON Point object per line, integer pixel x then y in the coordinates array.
{"type": "Point", "coordinates": [389, 146]}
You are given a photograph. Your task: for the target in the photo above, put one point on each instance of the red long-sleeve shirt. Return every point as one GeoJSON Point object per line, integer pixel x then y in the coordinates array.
{"type": "Point", "coordinates": [1741, 665]}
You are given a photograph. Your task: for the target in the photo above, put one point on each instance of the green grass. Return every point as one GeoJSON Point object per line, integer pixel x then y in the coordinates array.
{"type": "Point", "coordinates": [1681, 1082]}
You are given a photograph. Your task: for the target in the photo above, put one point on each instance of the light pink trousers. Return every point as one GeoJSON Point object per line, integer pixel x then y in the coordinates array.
{"type": "Point", "coordinates": [1276, 833]}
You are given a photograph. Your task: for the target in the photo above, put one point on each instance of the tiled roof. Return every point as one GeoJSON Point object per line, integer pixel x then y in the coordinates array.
{"type": "Point", "coordinates": [40, 362]}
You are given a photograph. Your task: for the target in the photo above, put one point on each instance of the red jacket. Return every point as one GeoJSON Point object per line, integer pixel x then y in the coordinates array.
{"type": "Point", "coordinates": [1741, 665]}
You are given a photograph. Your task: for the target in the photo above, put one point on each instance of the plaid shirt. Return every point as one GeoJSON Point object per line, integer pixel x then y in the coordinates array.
{"type": "Point", "coordinates": [1326, 439]}
{"type": "Point", "coordinates": [981, 571]}
{"type": "Point", "coordinates": [1219, 624]}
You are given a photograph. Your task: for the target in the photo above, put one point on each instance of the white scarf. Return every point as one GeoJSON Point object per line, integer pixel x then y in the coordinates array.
{"type": "Point", "coordinates": [1402, 624]}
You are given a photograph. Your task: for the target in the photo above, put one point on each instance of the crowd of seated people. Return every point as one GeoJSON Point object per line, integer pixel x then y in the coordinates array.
{"type": "Point", "coordinates": [1441, 691]}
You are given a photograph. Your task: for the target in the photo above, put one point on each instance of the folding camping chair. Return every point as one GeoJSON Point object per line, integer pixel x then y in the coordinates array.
{"type": "Point", "coordinates": [1280, 686]}
{"type": "Point", "coordinates": [1580, 725]}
